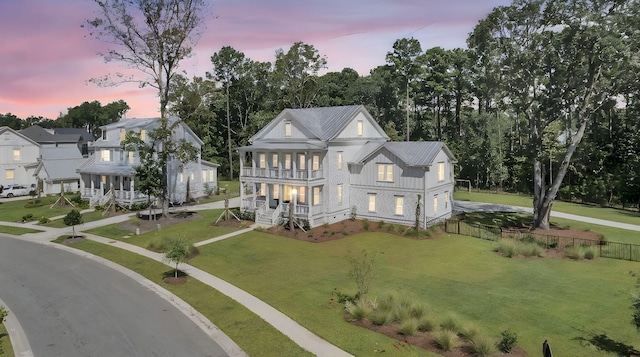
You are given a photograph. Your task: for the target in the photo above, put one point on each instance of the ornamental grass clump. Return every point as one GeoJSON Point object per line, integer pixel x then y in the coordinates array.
{"type": "Point", "coordinates": [469, 331]}
{"type": "Point", "coordinates": [590, 252]}
{"type": "Point", "coordinates": [382, 317]}
{"type": "Point", "coordinates": [360, 309]}
{"type": "Point", "coordinates": [529, 249]}
{"type": "Point", "coordinates": [574, 252]}
{"type": "Point", "coordinates": [482, 345]}
{"type": "Point", "coordinates": [408, 327]}
{"type": "Point", "coordinates": [446, 340]}
{"type": "Point", "coordinates": [507, 248]}
{"type": "Point", "coordinates": [427, 324]}
{"type": "Point", "coordinates": [451, 322]}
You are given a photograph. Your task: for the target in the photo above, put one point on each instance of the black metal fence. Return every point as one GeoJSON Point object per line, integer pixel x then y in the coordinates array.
{"type": "Point", "coordinates": [606, 249]}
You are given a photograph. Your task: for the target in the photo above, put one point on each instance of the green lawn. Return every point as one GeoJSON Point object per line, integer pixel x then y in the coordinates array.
{"type": "Point", "coordinates": [567, 302]}
{"type": "Point", "coordinates": [249, 331]}
{"type": "Point", "coordinates": [610, 214]}
{"type": "Point", "coordinates": [13, 211]}
{"type": "Point", "coordinates": [191, 231]}
{"type": "Point", "coordinates": [86, 217]}
{"type": "Point", "coordinates": [17, 230]}
{"type": "Point", "coordinates": [6, 350]}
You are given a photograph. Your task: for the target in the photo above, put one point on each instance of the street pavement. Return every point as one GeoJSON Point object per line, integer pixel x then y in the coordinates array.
{"type": "Point", "coordinates": [300, 335]}
{"type": "Point", "coordinates": [72, 306]}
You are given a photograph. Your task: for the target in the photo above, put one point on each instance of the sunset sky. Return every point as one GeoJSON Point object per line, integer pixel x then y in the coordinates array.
{"type": "Point", "coordinates": [46, 57]}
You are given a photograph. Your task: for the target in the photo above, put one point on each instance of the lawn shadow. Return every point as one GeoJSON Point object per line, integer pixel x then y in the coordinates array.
{"type": "Point", "coordinates": [604, 343]}
{"type": "Point", "coordinates": [171, 273]}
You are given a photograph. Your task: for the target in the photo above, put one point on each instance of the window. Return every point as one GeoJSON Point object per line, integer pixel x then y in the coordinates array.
{"type": "Point", "coordinates": [287, 128]}
{"type": "Point", "coordinates": [262, 189]}
{"type": "Point", "coordinates": [103, 179]}
{"type": "Point", "coordinates": [446, 199]}
{"type": "Point", "coordinates": [121, 134]}
{"type": "Point", "coordinates": [191, 176]}
{"type": "Point", "coordinates": [131, 157]}
{"type": "Point", "coordinates": [339, 193]}
{"type": "Point", "coordinates": [385, 172]}
{"type": "Point", "coordinates": [180, 177]}
{"type": "Point", "coordinates": [104, 135]}
{"type": "Point", "coordinates": [105, 155]}
{"type": "Point", "coordinates": [10, 174]}
{"type": "Point", "coordinates": [302, 194]}
{"type": "Point", "coordinates": [302, 162]}
{"type": "Point", "coordinates": [16, 154]}
{"type": "Point", "coordinates": [274, 160]}
{"type": "Point", "coordinates": [287, 162]}
{"type": "Point", "coordinates": [316, 163]}
{"type": "Point", "coordinates": [441, 171]}
{"type": "Point", "coordinates": [435, 204]}
{"type": "Point", "coordinates": [204, 175]}
{"type": "Point", "coordinates": [399, 205]}
{"type": "Point", "coordinates": [262, 158]}
{"type": "Point", "coordinates": [360, 127]}
{"type": "Point", "coordinates": [211, 175]}
{"type": "Point", "coordinates": [143, 135]}
{"type": "Point", "coordinates": [276, 191]}
{"type": "Point", "coordinates": [372, 202]}
{"type": "Point", "coordinates": [339, 160]}
{"type": "Point", "coordinates": [316, 196]}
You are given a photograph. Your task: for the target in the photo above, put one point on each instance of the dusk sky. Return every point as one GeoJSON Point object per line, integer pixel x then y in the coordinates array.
{"type": "Point", "coordinates": [46, 58]}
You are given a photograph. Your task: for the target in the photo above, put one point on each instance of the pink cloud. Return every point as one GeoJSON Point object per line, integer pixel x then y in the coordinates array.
{"type": "Point", "coordinates": [47, 57]}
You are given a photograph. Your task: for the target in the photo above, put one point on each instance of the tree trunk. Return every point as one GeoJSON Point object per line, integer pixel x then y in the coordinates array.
{"type": "Point", "coordinates": [542, 200]}
{"type": "Point", "coordinates": [229, 138]}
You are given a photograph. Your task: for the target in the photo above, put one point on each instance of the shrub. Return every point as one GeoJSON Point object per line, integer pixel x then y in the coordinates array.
{"type": "Point", "coordinates": [451, 322]}
{"type": "Point", "coordinates": [381, 225]}
{"type": "Point", "coordinates": [507, 248]}
{"type": "Point", "coordinates": [27, 217]}
{"type": "Point", "coordinates": [427, 323]}
{"type": "Point", "coordinates": [408, 327]}
{"type": "Point", "coordinates": [482, 345]}
{"type": "Point", "coordinates": [44, 220]}
{"type": "Point", "coordinates": [508, 341]}
{"type": "Point", "coordinates": [325, 224]}
{"type": "Point", "coordinates": [418, 310]}
{"type": "Point", "coordinates": [365, 224]}
{"type": "Point", "coordinates": [310, 234]}
{"type": "Point", "coordinates": [193, 251]}
{"type": "Point", "coordinates": [446, 339]}
{"type": "Point", "coordinates": [354, 213]}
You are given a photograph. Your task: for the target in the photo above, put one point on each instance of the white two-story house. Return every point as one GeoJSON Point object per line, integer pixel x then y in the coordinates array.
{"type": "Point", "coordinates": [18, 158]}
{"type": "Point", "coordinates": [110, 171]}
{"type": "Point", "coordinates": [337, 161]}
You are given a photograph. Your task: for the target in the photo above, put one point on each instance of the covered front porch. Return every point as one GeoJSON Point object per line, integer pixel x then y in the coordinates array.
{"type": "Point", "coordinates": [99, 189]}
{"type": "Point", "coordinates": [272, 201]}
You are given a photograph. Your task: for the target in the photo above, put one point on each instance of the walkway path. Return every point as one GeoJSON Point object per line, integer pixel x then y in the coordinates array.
{"type": "Point", "coordinates": [466, 206]}
{"type": "Point", "coordinates": [299, 334]}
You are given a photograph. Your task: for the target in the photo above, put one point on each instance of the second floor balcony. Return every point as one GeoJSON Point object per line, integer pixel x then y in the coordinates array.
{"type": "Point", "coordinates": [278, 173]}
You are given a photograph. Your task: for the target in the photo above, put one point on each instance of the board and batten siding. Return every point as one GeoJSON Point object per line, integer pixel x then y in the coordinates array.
{"type": "Point", "coordinates": [351, 129]}
{"type": "Point", "coordinates": [29, 153]}
{"type": "Point", "coordinates": [440, 191]}
{"type": "Point", "coordinates": [278, 131]}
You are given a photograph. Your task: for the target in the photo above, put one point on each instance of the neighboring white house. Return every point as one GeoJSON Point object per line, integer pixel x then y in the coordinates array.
{"type": "Point", "coordinates": [335, 161]}
{"type": "Point", "coordinates": [61, 153]}
{"type": "Point", "coordinates": [111, 166]}
{"type": "Point", "coordinates": [18, 158]}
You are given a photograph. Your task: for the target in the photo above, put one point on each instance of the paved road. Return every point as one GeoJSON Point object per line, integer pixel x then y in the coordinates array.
{"type": "Point", "coordinates": [82, 308]}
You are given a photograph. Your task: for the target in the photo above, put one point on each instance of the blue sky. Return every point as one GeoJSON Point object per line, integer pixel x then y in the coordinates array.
{"type": "Point", "coordinates": [46, 58]}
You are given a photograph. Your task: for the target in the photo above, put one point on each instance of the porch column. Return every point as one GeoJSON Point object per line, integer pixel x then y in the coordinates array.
{"type": "Point", "coordinates": [81, 186]}
{"type": "Point", "coordinates": [241, 157]}
{"type": "Point", "coordinates": [131, 192]}
{"type": "Point", "coordinates": [253, 169]}
{"type": "Point", "coordinates": [308, 156]}
{"type": "Point", "coordinates": [121, 191]}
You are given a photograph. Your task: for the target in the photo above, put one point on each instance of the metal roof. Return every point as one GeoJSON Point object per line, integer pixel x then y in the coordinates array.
{"type": "Point", "coordinates": [412, 153]}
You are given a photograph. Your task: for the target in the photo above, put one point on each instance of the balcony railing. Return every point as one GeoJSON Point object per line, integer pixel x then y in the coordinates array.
{"type": "Point", "coordinates": [281, 173]}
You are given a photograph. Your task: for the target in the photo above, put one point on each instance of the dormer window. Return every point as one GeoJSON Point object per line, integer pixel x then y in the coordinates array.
{"type": "Point", "coordinates": [143, 135]}
{"type": "Point", "coordinates": [287, 128]}
{"type": "Point", "coordinates": [360, 127]}
{"type": "Point", "coordinates": [122, 133]}
{"type": "Point", "coordinates": [104, 135]}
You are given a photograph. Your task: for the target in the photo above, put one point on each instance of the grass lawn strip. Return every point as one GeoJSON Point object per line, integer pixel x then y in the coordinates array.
{"type": "Point", "coordinates": [251, 333]}
{"type": "Point", "coordinates": [538, 298]}
{"type": "Point", "coordinates": [6, 350]}
{"type": "Point", "coordinates": [16, 231]}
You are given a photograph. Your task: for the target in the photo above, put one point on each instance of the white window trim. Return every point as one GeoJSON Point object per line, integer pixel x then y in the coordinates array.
{"type": "Point", "coordinates": [372, 202]}
{"type": "Point", "coordinates": [399, 209]}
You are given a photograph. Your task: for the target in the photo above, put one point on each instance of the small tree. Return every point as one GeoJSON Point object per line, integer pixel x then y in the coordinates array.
{"type": "Point", "coordinates": [177, 252]}
{"type": "Point", "coordinates": [362, 270]}
{"type": "Point", "coordinates": [418, 212]}
{"type": "Point", "coordinates": [72, 218]}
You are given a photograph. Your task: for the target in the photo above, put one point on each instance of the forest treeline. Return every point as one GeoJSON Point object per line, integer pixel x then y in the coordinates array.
{"type": "Point", "coordinates": [542, 101]}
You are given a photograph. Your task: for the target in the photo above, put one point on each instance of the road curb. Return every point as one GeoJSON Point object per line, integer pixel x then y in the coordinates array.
{"type": "Point", "coordinates": [19, 340]}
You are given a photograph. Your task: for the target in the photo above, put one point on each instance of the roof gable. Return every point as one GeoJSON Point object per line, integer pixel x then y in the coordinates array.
{"type": "Point", "coordinates": [5, 130]}
{"type": "Point", "coordinates": [322, 123]}
{"type": "Point", "coordinates": [412, 153]}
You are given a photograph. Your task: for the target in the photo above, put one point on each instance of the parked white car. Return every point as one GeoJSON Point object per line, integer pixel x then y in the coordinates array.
{"type": "Point", "coordinates": [15, 190]}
